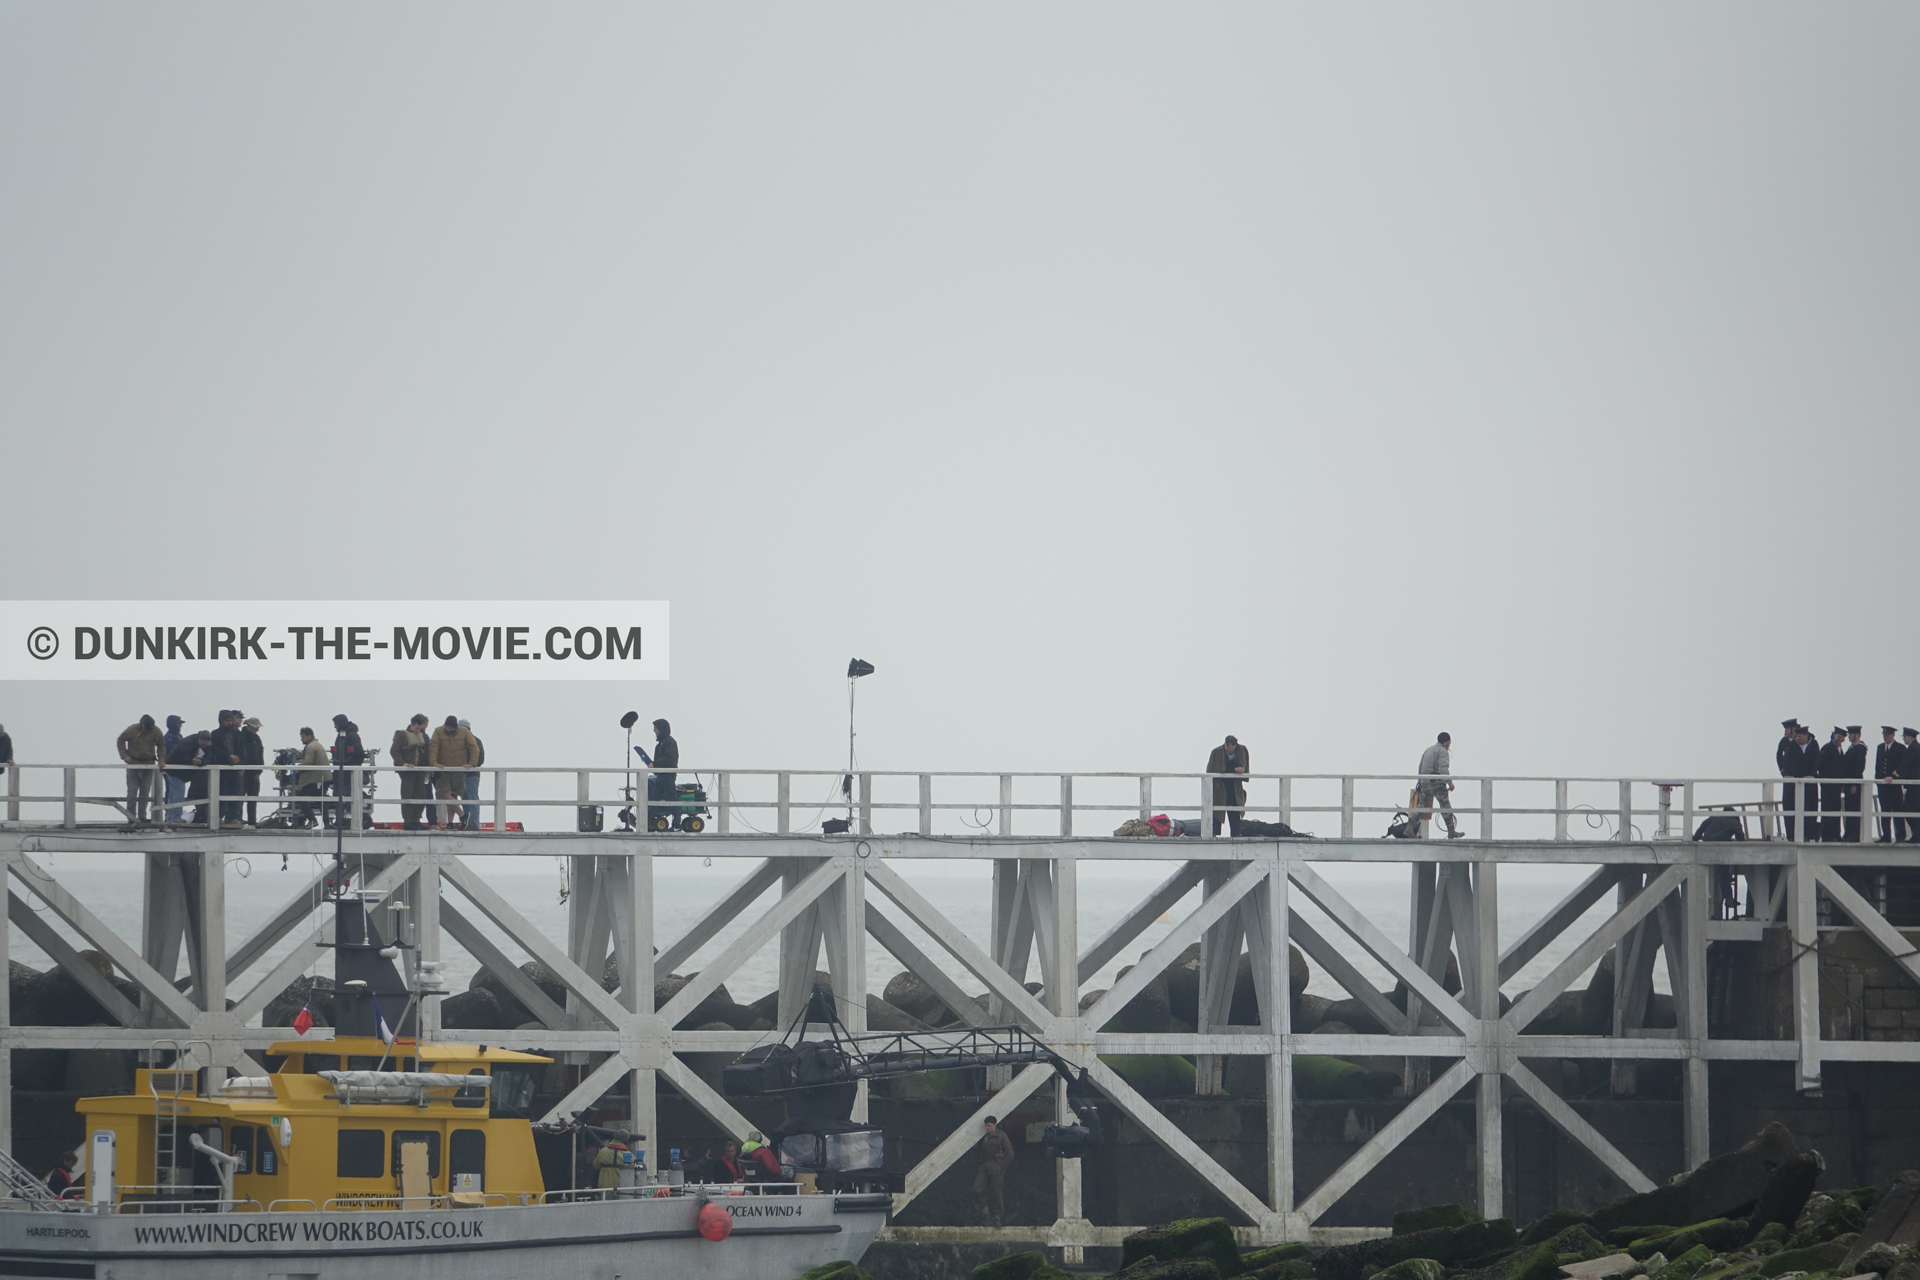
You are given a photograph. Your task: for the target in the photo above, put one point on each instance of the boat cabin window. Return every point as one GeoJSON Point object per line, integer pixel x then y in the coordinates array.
{"type": "Point", "coordinates": [467, 1152]}
{"type": "Point", "coordinates": [242, 1146]}
{"type": "Point", "coordinates": [268, 1153]}
{"type": "Point", "coordinates": [513, 1090]}
{"type": "Point", "coordinates": [429, 1136]}
{"type": "Point", "coordinates": [476, 1096]}
{"type": "Point", "coordinates": [360, 1153]}
{"type": "Point", "coordinates": [363, 1062]}
{"type": "Point", "coordinates": [318, 1062]}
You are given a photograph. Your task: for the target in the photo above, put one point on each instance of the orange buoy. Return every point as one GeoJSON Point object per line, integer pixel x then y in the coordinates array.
{"type": "Point", "coordinates": [715, 1223]}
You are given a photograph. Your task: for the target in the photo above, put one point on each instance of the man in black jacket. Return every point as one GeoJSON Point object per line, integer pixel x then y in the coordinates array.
{"type": "Point", "coordinates": [186, 755]}
{"type": "Point", "coordinates": [227, 750]}
{"type": "Point", "coordinates": [348, 753]}
{"type": "Point", "coordinates": [253, 753]}
{"type": "Point", "coordinates": [1910, 772]}
{"type": "Point", "coordinates": [1855, 755]}
{"type": "Point", "coordinates": [1833, 764]}
{"type": "Point", "coordinates": [1888, 758]}
{"type": "Point", "coordinates": [660, 786]}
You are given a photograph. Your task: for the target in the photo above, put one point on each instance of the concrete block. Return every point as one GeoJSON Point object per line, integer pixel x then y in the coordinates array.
{"type": "Point", "coordinates": [1882, 1019]}
{"type": "Point", "coordinates": [1900, 998]}
{"type": "Point", "coordinates": [1614, 1266]}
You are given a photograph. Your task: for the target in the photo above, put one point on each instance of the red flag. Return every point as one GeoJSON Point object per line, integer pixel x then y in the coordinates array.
{"type": "Point", "coordinates": [303, 1020]}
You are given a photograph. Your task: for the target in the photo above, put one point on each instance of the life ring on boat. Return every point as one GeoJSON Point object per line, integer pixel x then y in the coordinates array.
{"type": "Point", "coordinates": [714, 1222]}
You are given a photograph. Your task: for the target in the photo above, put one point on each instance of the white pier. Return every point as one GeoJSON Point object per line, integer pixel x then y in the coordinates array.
{"type": "Point", "coordinates": [844, 893]}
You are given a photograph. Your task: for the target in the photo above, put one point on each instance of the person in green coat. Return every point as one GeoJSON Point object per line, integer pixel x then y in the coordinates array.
{"type": "Point", "coordinates": [607, 1161]}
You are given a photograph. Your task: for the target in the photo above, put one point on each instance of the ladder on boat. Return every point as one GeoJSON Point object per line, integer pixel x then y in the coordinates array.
{"type": "Point", "coordinates": [168, 1086]}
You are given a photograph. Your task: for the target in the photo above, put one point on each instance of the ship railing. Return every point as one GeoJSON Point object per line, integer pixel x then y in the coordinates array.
{"type": "Point", "coordinates": [396, 1203]}
{"type": "Point", "coordinates": [286, 1206]}
{"type": "Point", "coordinates": [1023, 804]}
{"type": "Point", "coordinates": [141, 1199]}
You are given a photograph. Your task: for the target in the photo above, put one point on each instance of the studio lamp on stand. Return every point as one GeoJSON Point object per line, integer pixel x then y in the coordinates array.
{"type": "Point", "coordinates": [855, 669]}
{"type": "Point", "coordinates": [627, 722]}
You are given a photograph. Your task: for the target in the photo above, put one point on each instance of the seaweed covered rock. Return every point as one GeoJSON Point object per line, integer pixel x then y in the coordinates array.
{"type": "Point", "coordinates": [1608, 1266]}
{"type": "Point", "coordinates": [1541, 1262]}
{"type": "Point", "coordinates": [1827, 1218]}
{"type": "Point", "coordinates": [1549, 1225]}
{"type": "Point", "coordinates": [1408, 1221]}
{"type": "Point", "coordinates": [1895, 1218]}
{"type": "Point", "coordinates": [1450, 1246]}
{"type": "Point", "coordinates": [1786, 1193]}
{"type": "Point", "coordinates": [1818, 1257]}
{"type": "Point", "coordinates": [1274, 1255]}
{"type": "Point", "coordinates": [1015, 1266]}
{"type": "Point", "coordinates": [1684, 1267]}
{"type": "Point", "coordinates": [1717, 1234]}
{"type": "Point", "coordinates": [1170, 1269]}
{"type": "Point", "coordinates": [1186, 1238]}
{"type": "Point", "coordinates": [1412, 1269]}
{"type": "Point", "coordinates": [1335, 1079]}
{"type": "Point", "coordinates": [1723, 1187]}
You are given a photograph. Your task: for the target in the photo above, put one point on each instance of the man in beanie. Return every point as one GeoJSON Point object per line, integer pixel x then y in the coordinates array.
{"type": "Point", "coordinates": [453, 751]}
{"type": "Point", "coordinates": [142, 746]}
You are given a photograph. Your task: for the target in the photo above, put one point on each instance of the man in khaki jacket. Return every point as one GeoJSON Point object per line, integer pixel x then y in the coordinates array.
{"type": "Point", "coordinates": [453, 751]}
{"type": "Point", "coordinates": [409, 755]}
{"type": "Point", "coordinates": [143, 747]}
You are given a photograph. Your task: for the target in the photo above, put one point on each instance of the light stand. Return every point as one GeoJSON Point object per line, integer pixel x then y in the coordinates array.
{"type": "Point", "coordinates": [855, 669]}
{"type": "Point", "coordinates": [627, 722]}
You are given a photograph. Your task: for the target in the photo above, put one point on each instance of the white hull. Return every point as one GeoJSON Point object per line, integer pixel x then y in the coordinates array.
{"type": "Point", "coordinates": [774, 1238]}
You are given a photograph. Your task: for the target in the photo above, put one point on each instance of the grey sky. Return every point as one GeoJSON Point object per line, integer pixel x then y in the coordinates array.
{"type": "Point", "coordinates": [1112, 376]}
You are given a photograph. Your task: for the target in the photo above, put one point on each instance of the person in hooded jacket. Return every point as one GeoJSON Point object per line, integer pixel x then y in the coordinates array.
{"type": "Point", "coordinates": [175, 788]}
{"type": "Point", "coordinates": [409, 754]}
{"type": "Point", "coordinates": [662, 786]}
{"type": "Point", "coordinates": [452, 751]}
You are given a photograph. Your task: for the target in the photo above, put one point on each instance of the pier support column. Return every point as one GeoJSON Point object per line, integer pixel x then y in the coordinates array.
{"type": "Point", "coordinates": [1485, 994]}
{"type": "Point", "coordinates": [1270, 901]}
{"type": "Point", "coordinates": [630, 894]}
{"type": "Point", "coordinates": [425, 895]}
{"type": "Point", "coordinates": [1063, 1000]}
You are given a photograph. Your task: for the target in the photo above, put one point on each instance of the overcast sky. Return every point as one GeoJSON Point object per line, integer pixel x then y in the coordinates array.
{"type": "Point", "coordinates": [1113, 377]}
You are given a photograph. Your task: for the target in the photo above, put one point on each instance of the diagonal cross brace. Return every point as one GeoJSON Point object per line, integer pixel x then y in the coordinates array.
{"type": "Point", "coordinates": [1390, 1136]}
{"type": "Point", "coordinates": [1529, 1006]}
{"type": "Point", "coordinates": [956, 941]}
{"type": "Point", "coordinates": [524, 934]}
{"type": "Point", "coordinates": [1571, 1123]}
{"type": "Point", "coordinates": [511, 976]}
{"type": "Point", "coordinates": [757, 935]}
{"type": "Point", "coordinates": [1176, 1143]}
{"type": "Point", "coordinates": [88, 926]}
{"type": "Point", "coordinates": [962, 1140]}
{"type": "Point", "coordinates": [1184, 935]}
{"type": "Point", "coordinates": [1875, 925]}
{"type": "Point", "coordinates": [91, 980]}
{"type": "Point", "coordinates": [1367, 934]}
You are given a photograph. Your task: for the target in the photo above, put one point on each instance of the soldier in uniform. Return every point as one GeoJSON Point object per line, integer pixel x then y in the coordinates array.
{"type": "Point", "coordinates": [1855, 757]}
{"type": "Point", "coordinates": [1804, 762]}
{"type": "Point", "coordinates": [1833, 764]}
{"type": "Point", "coordinates": [1783, 760]}
{"type": "Point", "coordinates": [1910, 771]}
{"type": "Point", "coordinates": [1888, 758]}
